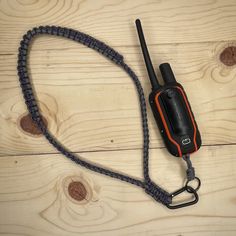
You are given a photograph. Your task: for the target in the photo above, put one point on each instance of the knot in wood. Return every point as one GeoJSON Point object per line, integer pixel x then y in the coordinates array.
{"type": "Point", "coordinates": [29, 126]}
{"type": "Point", "coordinates": [228, 56]}
{"type": "Point", "coordinates": [77, 191]}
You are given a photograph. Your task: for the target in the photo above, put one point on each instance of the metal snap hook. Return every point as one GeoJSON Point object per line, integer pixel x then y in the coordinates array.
{"type": "Point", "coordinates": [189, 189]}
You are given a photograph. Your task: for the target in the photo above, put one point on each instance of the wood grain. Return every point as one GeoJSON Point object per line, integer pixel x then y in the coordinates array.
{"type": "Point", "coordinates": [34, 199]}
{"type": "Point", "coordinates": [91, 104]}
{"type": "Point", "coordinates": [91, 107]}
{"type": "Point", "coordinates": [113, 21]}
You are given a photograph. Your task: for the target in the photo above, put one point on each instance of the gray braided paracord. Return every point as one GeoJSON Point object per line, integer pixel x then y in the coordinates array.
{"type": "Point", "coordinates": [190, 172]}
{"type": "Point", "coordinates": [150, 187]}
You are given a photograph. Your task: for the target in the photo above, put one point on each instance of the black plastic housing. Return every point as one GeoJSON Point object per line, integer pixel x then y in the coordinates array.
{"type": "Point", "coordinates": [170, 107]}
{"type": "Point", "coordinates": [174, 118]}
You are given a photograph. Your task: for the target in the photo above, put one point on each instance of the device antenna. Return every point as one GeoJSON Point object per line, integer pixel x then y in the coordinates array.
{"type": "Point", "coordinates": [147, 59]}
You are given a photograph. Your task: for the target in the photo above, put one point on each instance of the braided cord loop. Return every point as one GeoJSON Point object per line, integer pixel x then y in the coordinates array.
{"type": "Point", "coordinates": [150, 188]}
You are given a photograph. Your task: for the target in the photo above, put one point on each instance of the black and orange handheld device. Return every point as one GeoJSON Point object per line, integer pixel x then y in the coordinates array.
{"type": "Point", "coordinates": [170, 107]}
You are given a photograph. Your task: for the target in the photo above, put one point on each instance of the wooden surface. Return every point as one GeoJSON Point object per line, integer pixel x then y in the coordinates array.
{"type": "Point", "coordinates": [92, 108]}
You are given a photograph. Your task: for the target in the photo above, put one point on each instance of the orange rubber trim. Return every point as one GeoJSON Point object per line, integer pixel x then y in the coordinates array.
{"type": "Point", "coordinates": [165, 125]}
{"type": "Point", "coordinates": [192, 119]}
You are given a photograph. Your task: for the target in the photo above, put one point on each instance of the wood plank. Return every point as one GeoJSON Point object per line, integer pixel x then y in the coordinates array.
{"type": "Point", "coordinates": [91, 104]}
{"type": "Point", "coordinates": [34, 196]}
{"type": "Point", "coordinates": [92, 108]}
{"type": "Point", "coordinates": [168, 21]}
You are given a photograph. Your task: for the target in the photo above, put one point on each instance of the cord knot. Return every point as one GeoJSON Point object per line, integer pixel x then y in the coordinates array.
{"type": "Point", "coordinates": [157, 193]}
{"type": "Point", "coordinates": [190, 172]}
